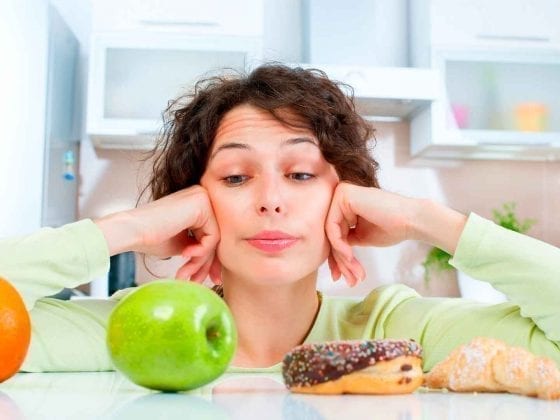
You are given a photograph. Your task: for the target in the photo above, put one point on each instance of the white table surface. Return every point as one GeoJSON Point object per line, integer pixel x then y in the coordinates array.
{"type": "Point", "coordinates": [109, 395]}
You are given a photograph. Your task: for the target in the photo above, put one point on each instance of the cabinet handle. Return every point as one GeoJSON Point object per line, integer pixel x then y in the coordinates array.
{"type": "Point", "coordinates": [153, 22]}
{"type": "Point", "coordinates": [513, 38]}
{"type": "Point", "coordinates": [490, 143]}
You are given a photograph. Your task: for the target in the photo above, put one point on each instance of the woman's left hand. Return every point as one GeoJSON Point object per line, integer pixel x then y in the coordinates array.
{"type": "Point", "coordinates": [370, 216]}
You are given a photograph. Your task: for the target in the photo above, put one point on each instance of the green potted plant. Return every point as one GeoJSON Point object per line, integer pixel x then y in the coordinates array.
{"type": "Point", "coordinates": [507, 218]}
{"type": "Point", "coordinates": [438, 260]}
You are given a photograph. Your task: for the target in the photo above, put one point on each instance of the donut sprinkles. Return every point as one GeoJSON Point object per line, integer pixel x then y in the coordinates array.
{"type": "Point", "coordinates": [312, 364]}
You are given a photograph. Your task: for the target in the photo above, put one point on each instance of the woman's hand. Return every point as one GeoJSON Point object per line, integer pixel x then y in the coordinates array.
{"type": "Point", "coordinates": [181, 223]}
{"type": "Point", "coordinates": [370, 216]}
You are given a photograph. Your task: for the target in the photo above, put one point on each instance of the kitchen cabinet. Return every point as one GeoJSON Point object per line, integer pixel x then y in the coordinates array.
{"type": "Point", "coordinates": [194, 17]}
{"type": "Point", "coordinates": [500, 96]}
{"type": "Point", "coordinates": [365, 32]}
{"type": "Point", "coordinates": [385, 93]}
{"type": "Point", "coordinates": [498, 104]}
{"type": "Point", "coordinates": [60, 185]}
{"type": "Point", "coordinates": [133, 75]}
{"type": "Point", "coordinates": [471, 24]}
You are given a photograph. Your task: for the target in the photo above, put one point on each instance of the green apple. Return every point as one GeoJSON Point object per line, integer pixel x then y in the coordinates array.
{"type": "Point", "coordinates": [171, 335]}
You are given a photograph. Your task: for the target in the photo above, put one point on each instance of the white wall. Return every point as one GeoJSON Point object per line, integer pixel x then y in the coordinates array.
{"type": "Point", "coordinates": [23, 84]}
{"type": "Point", "coordinates": [23, 43]}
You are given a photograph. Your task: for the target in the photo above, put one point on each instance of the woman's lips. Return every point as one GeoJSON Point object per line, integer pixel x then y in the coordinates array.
{"type": "Point", "coordinates": [272, 241]}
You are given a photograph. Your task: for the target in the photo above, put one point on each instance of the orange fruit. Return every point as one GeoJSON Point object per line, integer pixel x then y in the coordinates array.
{"type": "Point", "coordinates": [15, 330]}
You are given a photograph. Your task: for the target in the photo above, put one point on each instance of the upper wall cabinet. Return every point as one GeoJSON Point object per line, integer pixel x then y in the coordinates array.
{"type": "Point", "coordinates": [499, 63]}
{"type": "Point", "coordinates": [519, 24]}
{"type": "Point", "coordinates": [385, 93]}
{"type": "Point", "coordinates": [208, 17]}
{"type": "Point", "coordinates": [499, 104]}
{"type": "Point", "coordinates": [133, 76]}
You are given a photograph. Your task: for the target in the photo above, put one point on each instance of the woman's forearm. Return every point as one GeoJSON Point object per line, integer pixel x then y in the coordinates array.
{"type": "Point", "coordinates": [438, 225]}
{"type": "Point", "coordinates": [45, 262]}
{"type": "Point", "coordinates": [120, 232]}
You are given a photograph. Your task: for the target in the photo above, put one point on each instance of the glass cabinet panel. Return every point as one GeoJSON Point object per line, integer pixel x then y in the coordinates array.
{"type": "Point", "coordinates": [140, 82]}
{"type": "Point", "coordinates": [500, 97]}
{"type": "Point", "coordinates": [134, 76]}
{"type": "Point", "coordinates": [489, 95]}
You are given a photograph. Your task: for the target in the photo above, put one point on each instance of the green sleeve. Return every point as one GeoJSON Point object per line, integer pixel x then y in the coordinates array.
{"type": "Point", "coordinates": [46, 262]}
{"type": "Point", "coordinates": [66, 335]}
{"type": "Point", "coordinates": [525, 269]}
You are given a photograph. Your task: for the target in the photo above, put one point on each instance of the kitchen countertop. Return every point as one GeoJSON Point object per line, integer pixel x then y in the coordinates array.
{"type": "Point", "coordinates": [109, 395]}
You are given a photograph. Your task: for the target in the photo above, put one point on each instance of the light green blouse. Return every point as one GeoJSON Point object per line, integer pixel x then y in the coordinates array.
{"type": "Point", "coordinates": [70, 335]}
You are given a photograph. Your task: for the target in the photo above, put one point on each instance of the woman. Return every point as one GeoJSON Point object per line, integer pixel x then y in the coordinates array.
{"type": "Point", "coordinates": [256, 182]}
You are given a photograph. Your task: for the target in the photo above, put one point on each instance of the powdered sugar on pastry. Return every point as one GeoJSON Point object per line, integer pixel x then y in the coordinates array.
{"type": "Point", "coordinates": [490, 365]}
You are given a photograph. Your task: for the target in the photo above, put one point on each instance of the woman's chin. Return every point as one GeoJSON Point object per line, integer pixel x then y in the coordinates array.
{"type": "Point", "coordinates": [256, 270]}
{"type": "Point", "coordinates": [271, 279]}
{"type": "Point", "coordinates": [272, 276]}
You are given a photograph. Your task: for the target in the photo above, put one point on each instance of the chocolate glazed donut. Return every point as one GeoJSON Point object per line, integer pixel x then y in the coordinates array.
{"type": "Point", "coordinates": [385, 366]}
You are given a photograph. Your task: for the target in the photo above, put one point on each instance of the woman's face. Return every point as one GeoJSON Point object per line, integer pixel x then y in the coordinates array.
{"type": "Point", "coordinates": [271, 189]}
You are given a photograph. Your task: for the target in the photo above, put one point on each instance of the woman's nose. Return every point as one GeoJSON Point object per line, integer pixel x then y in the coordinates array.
{"type": "Point", "coordinates": [269, 200]}
{"type": "Point", "coordinates": [265, 209]}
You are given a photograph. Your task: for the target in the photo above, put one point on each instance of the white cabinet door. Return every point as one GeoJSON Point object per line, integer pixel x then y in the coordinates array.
{"type": "Point", "coordinates": [240, 17]}
{"type": "Point", "coordinates": [500, 67]}
{"type": "Point", "coordinates": [500, 104]}
{"type": "Point", "coordinates": [134, 75]}
{"type": "Point", "coordinates": [534, 23]}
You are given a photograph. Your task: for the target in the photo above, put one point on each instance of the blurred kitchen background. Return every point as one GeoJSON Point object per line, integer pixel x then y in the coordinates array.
{"type": "Point", "coordinates": [464, 95]}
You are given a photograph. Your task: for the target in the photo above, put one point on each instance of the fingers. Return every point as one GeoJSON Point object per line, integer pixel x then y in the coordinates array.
{"type": "Point", "coordinates": [196, 268]}
{"type": "Point", "coordinates": [195, 250]}
{"type": "Point", "coordinates": [206, 230]}
{"type": "Point", "coordinates": [352, 271]}
{"type": "Point", "coordinates": [200, 275]}
{"type": "Point", "coordinates": [216, 270]}
{"type": "Point", "coordinates": [186, 271]}
{"type": "Point", "coordinates": [333, 267]}
{"type": "Point", "coordinates": [338, 225]}
{"type": "Point", "coordinates": [201, 251]}
{"type": "Point", "coordinates": [337, 235]}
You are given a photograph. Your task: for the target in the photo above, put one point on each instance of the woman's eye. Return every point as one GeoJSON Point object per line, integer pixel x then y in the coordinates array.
{"type": "Point", "coordinates": [301, 176]}
{"type": "Point", "coordinates": [235, 179]}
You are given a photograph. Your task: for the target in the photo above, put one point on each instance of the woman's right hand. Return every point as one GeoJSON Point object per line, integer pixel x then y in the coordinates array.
{"type": "Point", "coordinates": [181, 223]}
{"type": "Point", "coordinates": [367, 216]}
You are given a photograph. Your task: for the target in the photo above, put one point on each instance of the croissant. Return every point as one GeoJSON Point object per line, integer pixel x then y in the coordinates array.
{"type": "Point", "coordinates": [490, 365]}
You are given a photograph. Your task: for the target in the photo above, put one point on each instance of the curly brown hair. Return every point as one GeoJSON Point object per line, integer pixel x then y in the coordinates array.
{"type": "Point", "coordinates": [191, 121]}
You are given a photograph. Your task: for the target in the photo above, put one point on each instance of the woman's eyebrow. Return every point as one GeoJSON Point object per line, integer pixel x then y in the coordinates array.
{"type": "Point", "coordinates": [298, 140]}
{"type": "Point", "coordinates": [245, 146]}
{"type": "Point", "coordinates": [230, 145]}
